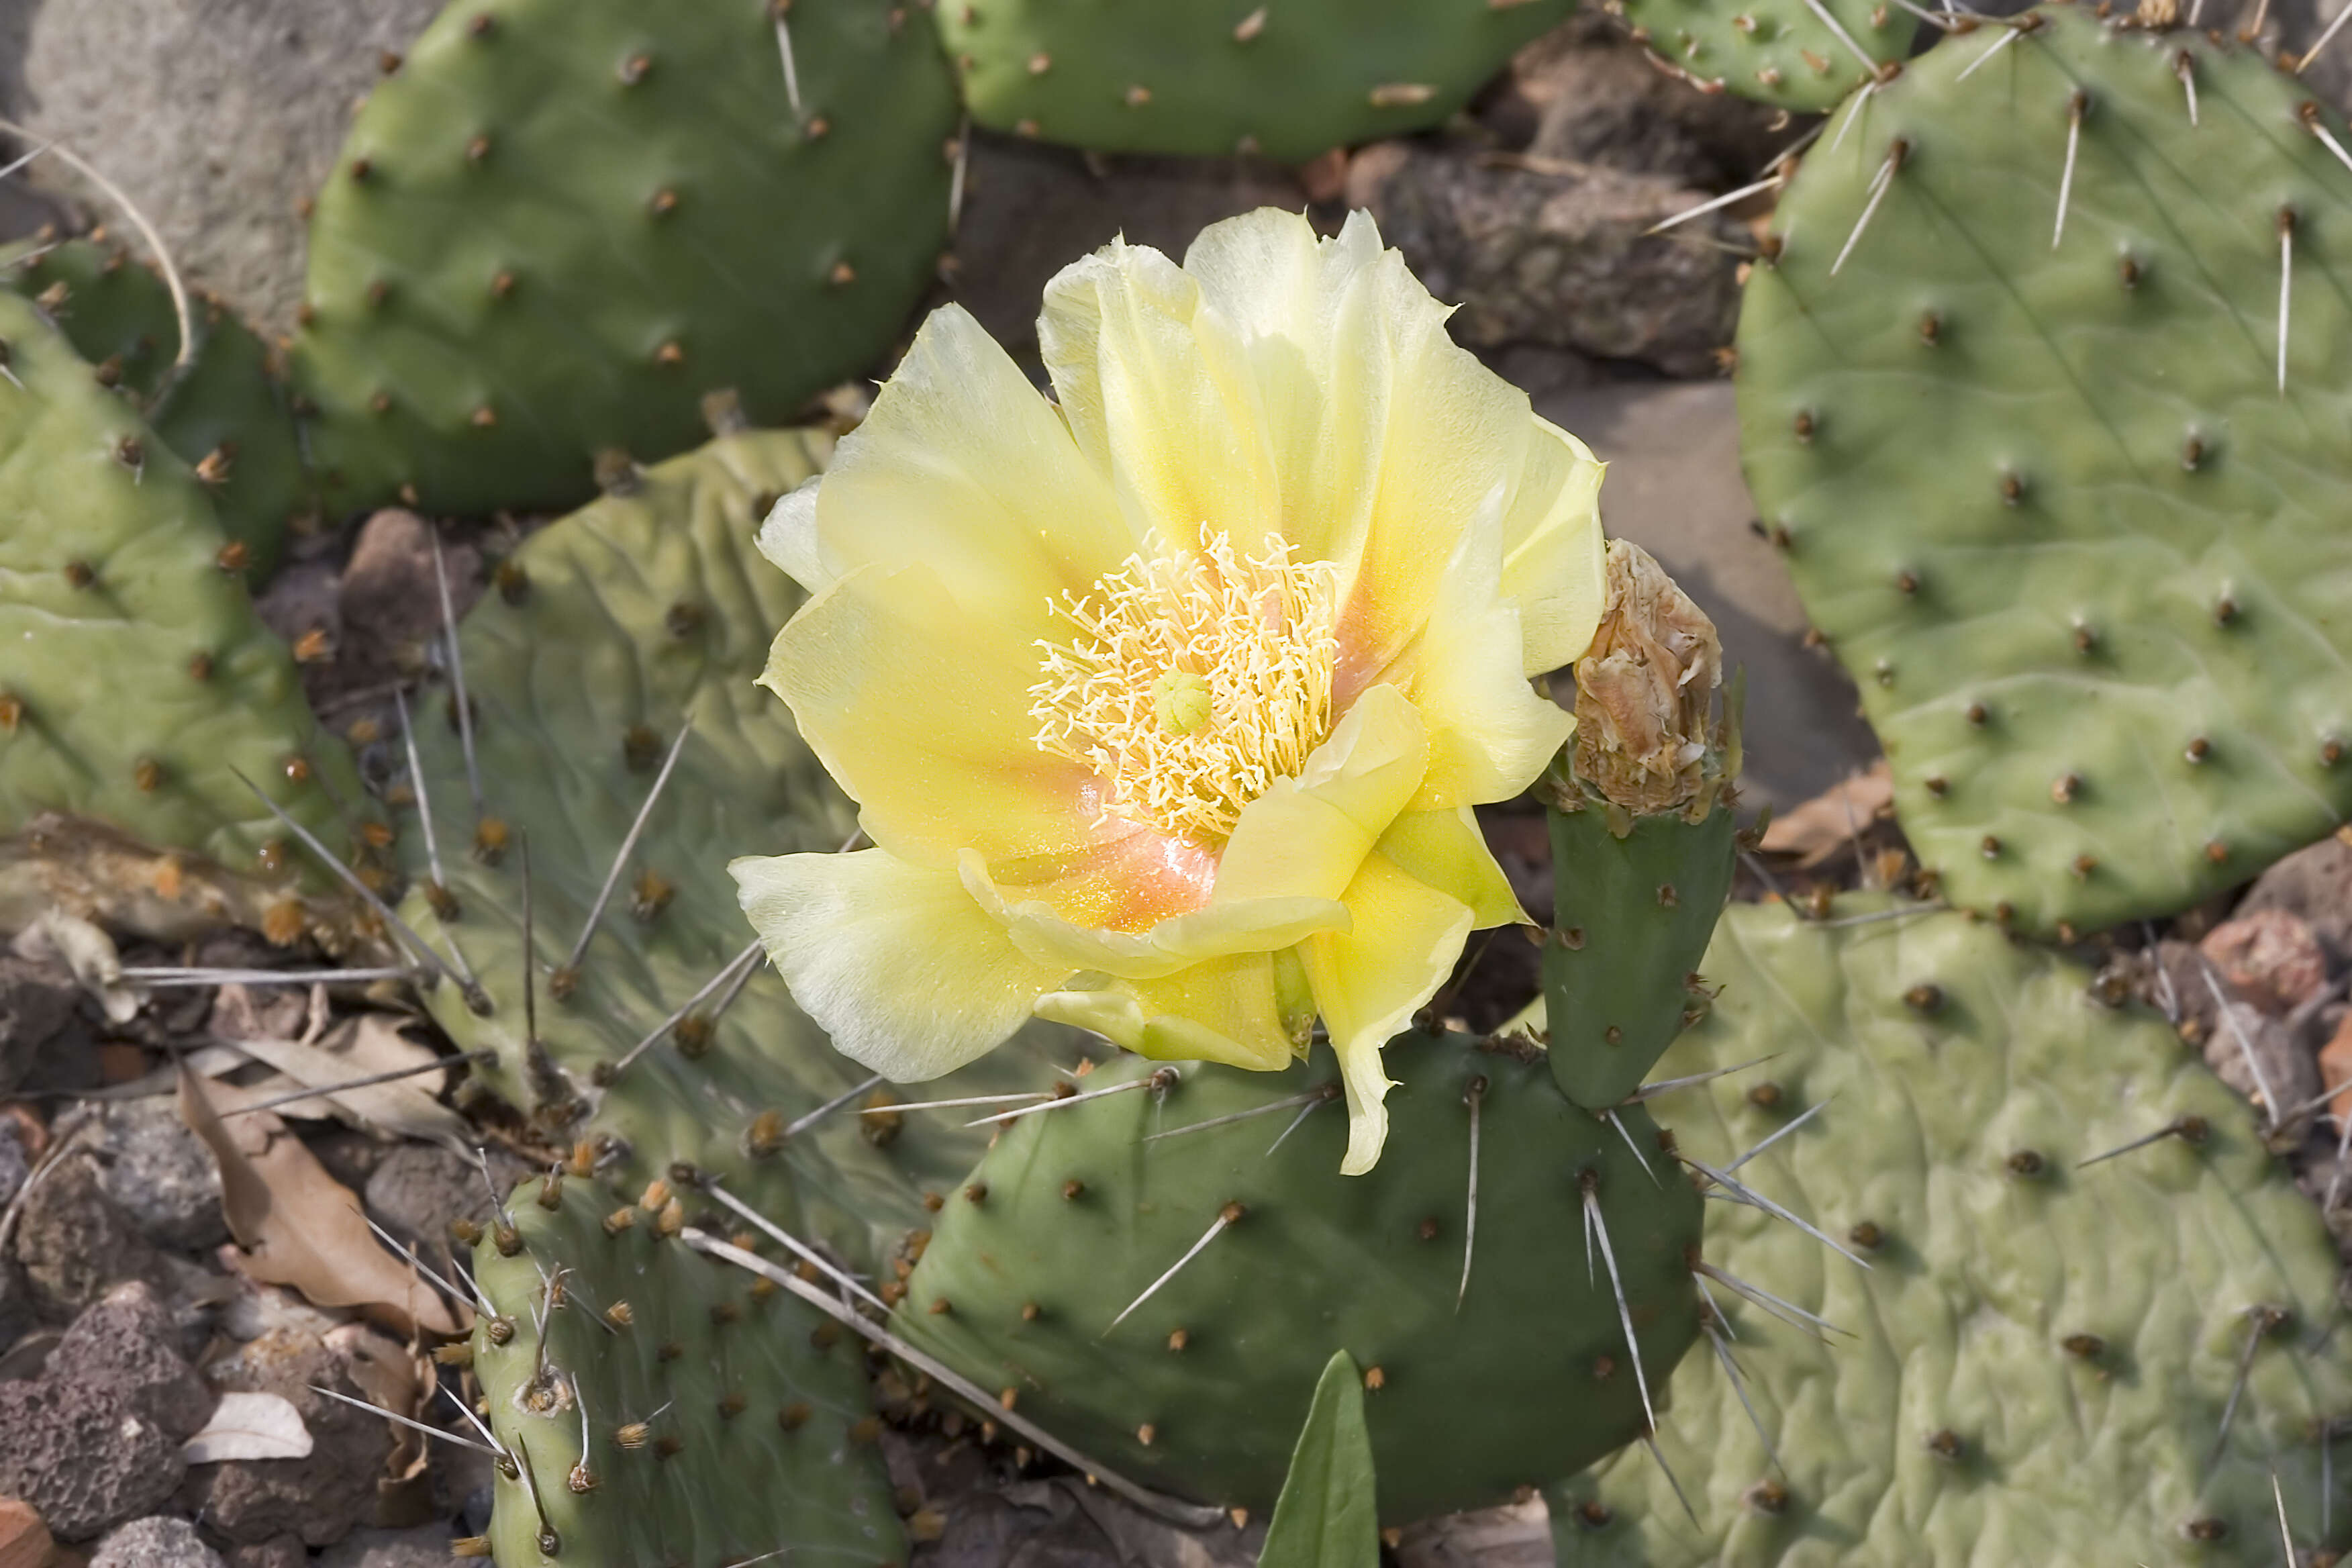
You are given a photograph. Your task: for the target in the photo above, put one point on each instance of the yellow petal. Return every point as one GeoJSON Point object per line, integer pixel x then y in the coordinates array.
{"type": "Point", "coordinates": [1235, 926]}
{"type": "Point", "coordinates": [894, 961]}
{"type": "Point", "coordinates": [1552, 549]}
{"type": "Point", "coordinates": [1445, 849]}
{"type": "Point", "coordinates": [1490, 733]}
{"type": "Point", "coordinates": [1225, 1010]}
{"type": "Point", "coordinates": [1308, 835]}
{"type": "Point", "coordinates": [1159, 395]}
{"type": "Point", "coordinates": [964, 467]}
{"type": "Point", "coordinates": [919, 708]}
{"type": "Point", "coordinates": [1368, 983]}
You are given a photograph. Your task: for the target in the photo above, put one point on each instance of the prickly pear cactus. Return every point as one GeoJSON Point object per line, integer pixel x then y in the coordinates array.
{"type": "Point", "coordinates": [1798, 54]}
{"type": "Point", "coordinates": [1291, 79]}
{"type": "Point", "coordinates": [1034, 1280]}
{"type": "Point", "coordinates": [661, 1408]}
{"type": "Point", "coordinates": [2057, 458]}
{"type": "Point", "coordinates": [138, 680]}
{"type": "Point", "coordinates": [225, 413]}
{"type": "Point", "coordinates": [559, 223]}
{"type": "Point", "coordinates": [667, 1040]}
{"type": "Point", "coordinates": [2041, 1364]}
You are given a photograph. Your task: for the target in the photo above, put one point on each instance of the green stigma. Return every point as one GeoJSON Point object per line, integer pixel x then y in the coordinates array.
{"type": "Point", "coordinates": [1180, 701]}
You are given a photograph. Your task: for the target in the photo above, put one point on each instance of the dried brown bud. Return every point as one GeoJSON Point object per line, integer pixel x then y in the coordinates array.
{"type": "Point", "coordinates": [1645, 692]}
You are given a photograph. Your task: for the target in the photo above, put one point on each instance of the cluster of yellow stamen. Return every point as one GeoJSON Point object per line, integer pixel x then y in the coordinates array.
{"type": "Point", "coordinates": [1194, 680]}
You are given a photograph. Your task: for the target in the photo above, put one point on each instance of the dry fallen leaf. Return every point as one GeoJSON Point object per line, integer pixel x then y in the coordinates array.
{"type": "Point", "coordinates": [250, 1426]}
{"type": "Point", "coordinates": [393, 1378]}
{"type": "Point", "coordinates": [24, 1540]}
{"type": "Point", "coordinates": [1831, 819]}
{"type": "Point", "coordinates": [299, 1226]}
{"type": "Point", "coordinates": [360, 1048]}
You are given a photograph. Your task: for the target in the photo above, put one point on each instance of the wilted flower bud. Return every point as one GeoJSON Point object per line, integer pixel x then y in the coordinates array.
{"type": "Point", "coordinates": [1645, 693]}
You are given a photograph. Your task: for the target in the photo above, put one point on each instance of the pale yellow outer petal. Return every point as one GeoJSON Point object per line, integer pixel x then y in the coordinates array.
{"type": "Point", "coordinates": [1230, 927]}
{"type": "Point", "coordinates": [1369, 983]}
{"type": "Point", "coordinates": [894, 961]}
{"type": "Point", "coordinates": [1445, 849]}
{"type": "Point", "coordinates": [1223, 1010]}
{"type": "Point", "coordinates": [1490, 733]}
{"type": "Point", "coordinates": [965, 468]}
{"type": "Point", "coordinates": [1308, 835]}
{"type": "Point", "coordinates": [1552, 549]}
{"type": "Point", "coordinates": [919, 708]}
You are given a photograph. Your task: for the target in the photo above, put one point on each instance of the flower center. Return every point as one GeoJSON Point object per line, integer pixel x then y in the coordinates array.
{"type": "Point", "coordinates": [1191, 682]}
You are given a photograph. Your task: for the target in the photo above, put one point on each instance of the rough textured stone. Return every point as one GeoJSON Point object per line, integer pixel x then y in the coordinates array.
{"type": "Point", "coordinates": [1585, 92]}
{"type": "Point", "coordinates": [388, 600]}
{"type": "Point", "coordinates": [417, 1189]}
{"type": "Point", "coordinates": [2314, 883]}
{"type": "Point", "coordinates": [158, 1543]}
{"type": "Point", "coordinates": [15, 1164]}
{"type": "Point", "coordinates": [279, 1551]}
{"type": "Point", "coordinates": [240, 108]}
{"type": "Point", "coordinates": [95, 1439]}
{"type": "Point", "coordinates": [1030, 210]}
{"type": "Point", "coordinates": [2271, 957]}
{"type": "Point", "coordinates": [159, 1173]}
{"type": "Point", "coordinates": [1515, 1536]}
{"type": "Point", "coordinates": [37, 1004]}
{"type": "Point", "coordinates": [75, 1241]}
{"type": "Point", "coordinates": [426, 1546]}
{"type": "Point", "coordinates": [1556, 253]}
{"type": "Point", "coordinates": [322, 1497]}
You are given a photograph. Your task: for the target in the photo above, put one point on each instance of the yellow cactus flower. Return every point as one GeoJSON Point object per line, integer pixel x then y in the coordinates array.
{"type": "Point", "coordinates": [1165, 700]}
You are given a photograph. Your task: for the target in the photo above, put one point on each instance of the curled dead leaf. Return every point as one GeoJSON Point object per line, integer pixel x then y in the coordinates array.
{"type": "Point", "coordinates": [299, 1226]}
{"type": "Point", "coordinates": [250, 1426]}
{"type": "Point", "coordinates": [1833, 819]}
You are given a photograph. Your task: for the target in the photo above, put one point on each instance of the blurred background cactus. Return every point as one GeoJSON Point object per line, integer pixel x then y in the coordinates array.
{"type": "Point", "coordinates": [1955, 1195]}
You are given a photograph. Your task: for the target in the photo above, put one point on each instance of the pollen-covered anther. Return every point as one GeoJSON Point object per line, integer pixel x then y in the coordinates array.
{"type": "Point", "coordinates": [1192, 682]}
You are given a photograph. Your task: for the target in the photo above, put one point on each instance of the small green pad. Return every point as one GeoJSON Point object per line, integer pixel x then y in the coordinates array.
{"type": "Point", "coordinates": [137, 679]}
{"type": "Point", "coordinates": [723, 1420]}
{"type": "Point", "coordinates": [598, 638]}
{"type": "Point", "coordinates": [2042, 1350]}
{"type": "Point", "coordinates": [2042, 488]}
{"type": "Point", "coordinates": [1798, 54]}
{"type": "Point", "coordinates": [226, 411]}
{"type": "Point", "coordinates": [1291, 79]}
{"type": "Point", "coordinates": [1199, 1389]}
{"type": "Point", "coordinates": [560, 223]}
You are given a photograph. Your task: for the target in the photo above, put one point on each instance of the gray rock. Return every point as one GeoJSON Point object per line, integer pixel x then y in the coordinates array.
{"type": "Point", "coordinates": [95, 1439]}
{"type": "Point", "coordinates": [2259, 1056]}
{"type": "Point", "coordinates": [388, 600]}
{"type": "Point", "coordinates": [426, 1546]}
{"type": "Point", "coordinates": [2314, 883]}
{"type": "Point", "coordinates": [1674, 489]}
{"type": "Point", "coordinates": [1586, 92]}
{"type": "Point", "coordinates": [1517, 1535]}
{"type": "Point", "coordinates": [1030, 210]}
{"type": "Point", "coordinates": [241, 106]}
{"type": "Point", "coordinates": [319, 1498]}
{"type": "Point", "coordinates": [279, 1551]}
{"type": "Point", "coordinates": [1556, 253]}
{"type": "Point", "coordinates": [15, 1165]}
{"type": "Point", "coordinates": [158, 1543]}
{"type": "Point", "coordinates": [159, 1173]}
{"type": "Point", "coordinates": [37, 1006]}
{"type": "Point", "coordinates": [416, 1190]}
{"type": "Point", "coordinates": [75, 1241]}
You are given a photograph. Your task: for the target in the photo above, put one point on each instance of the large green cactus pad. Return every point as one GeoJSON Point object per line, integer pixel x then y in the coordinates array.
{"type": "Point", "coordinates": [137, 680]}
{"type": "Point", "coordinates": [559, 223]}
{"type": "Point", "coordinates": [225, 412]}
{"type": "Point", "coordinates": [1200, 1389]}
{"type": "Point", "coordinates": [1291, 80]}
{"type": "Point", "coordinates": [2042, 1351]}
{"type": "Point", "coordinates": [604, 633]}
{"type": "Point", "coordinates": [1798, 54]}
{"type": "Point", "coordinates": [2043, 491]}
{"type": "Point", "coordinates": [723, 1420]}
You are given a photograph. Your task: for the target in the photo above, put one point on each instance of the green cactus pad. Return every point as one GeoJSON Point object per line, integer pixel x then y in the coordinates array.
{"type": "Point", "coordinates": [724, 1420]}
{"type": "Point", "coordinates": [1620, 963]}
{"type": "Point", "coordinates": [1783, 52]}
{"type": "Point", "coordinates": [600, 635]}
{"type": "Point", "coordinates": [1200, 1389]}
{"type": "Point", "coordinates": [1292, 79]}
{"type": "Point", "coordinates": [2047, 500]}
{"type": "Point", "coordinates": [2043, 1351]}
{"type": "Point", "coordinates": [226, 411]}
{"type": "Point", "coordinates": [560, 223]}
{"type": "Point", "coordinates": [138, 680]}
